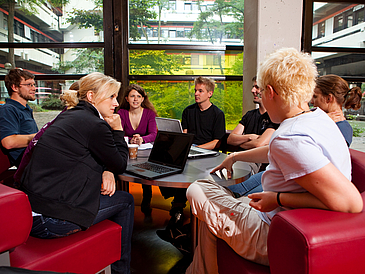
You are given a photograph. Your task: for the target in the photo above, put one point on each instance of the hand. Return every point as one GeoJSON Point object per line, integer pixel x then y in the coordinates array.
{"type": "Point", "coordinates": [227, 164]}
{"type": "Point", "coordinates": [108, 185]}
{"type": "Point", "coordinates": [114, 122]}
{"type": "Point", "coordinates": [263, 201]}
{"type": "Point", "coordinates": [137, 139]}
{"type": "Point", "coordinates": [336, 116]}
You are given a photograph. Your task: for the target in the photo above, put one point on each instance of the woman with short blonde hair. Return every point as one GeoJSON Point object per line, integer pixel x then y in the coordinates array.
{"type": "Point", "coordinates": [305, 169]}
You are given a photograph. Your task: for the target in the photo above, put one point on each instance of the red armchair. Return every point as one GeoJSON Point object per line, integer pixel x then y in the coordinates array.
{"type": "Point", "coordinates": [309, 241]}
{"type": "Point", "coordinates": [89, 251]}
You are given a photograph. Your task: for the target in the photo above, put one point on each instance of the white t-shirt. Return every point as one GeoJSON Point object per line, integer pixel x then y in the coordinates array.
{"type": "Point", "coordinates": [302, 145]}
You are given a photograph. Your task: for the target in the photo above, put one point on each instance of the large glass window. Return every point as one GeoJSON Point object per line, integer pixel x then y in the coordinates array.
{"type": "Point", "coordinates": [209, 22]}
{"type": "Point", "coordinates": [338, 24]}
{"type": "Point", "coordinates": [44, 37]}
{"type": "Point", "coordinates": [337, 43]}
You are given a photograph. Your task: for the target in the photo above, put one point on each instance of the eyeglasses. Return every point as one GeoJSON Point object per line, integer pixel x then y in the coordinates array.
{"type": "Point", "coordinates": [29, 85]}
{"type": "Point", "coordinates": [256, 86]}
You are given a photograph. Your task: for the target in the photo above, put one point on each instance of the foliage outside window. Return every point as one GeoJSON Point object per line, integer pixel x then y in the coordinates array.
{"type": "Point", "coordinates": [163, 94]}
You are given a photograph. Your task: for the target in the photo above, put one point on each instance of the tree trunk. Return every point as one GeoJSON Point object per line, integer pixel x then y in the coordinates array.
{"type": "Point", "coordinates": [159, 22]}
{"type": "Point", "coordinates": [11, 58]}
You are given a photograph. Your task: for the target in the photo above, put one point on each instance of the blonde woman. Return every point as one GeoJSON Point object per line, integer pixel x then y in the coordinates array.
{"type": "Point", "coordinates": [305, 169]}
{"type": "Point", "coordinates": [63, 179]}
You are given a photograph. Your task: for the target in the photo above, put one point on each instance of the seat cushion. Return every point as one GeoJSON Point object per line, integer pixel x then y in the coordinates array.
{"type": "Point", "coordinates": [16, 218]}
{"type": "Point", "coordinates": [229, 262]}
{"type": "Point", "coordinates": [83, 252]}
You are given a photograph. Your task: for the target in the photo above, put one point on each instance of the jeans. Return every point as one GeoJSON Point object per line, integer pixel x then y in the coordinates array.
{"type": "Point", "coordinates": [118, 208]}
{"type": "Point", "coordinates": [251, 185]}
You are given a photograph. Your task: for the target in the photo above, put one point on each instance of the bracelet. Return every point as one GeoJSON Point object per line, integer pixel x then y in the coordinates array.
{"type": "Point", "coordinates": [278, 199]}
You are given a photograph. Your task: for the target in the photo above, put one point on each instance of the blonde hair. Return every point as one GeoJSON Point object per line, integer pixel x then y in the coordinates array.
{"type": "Point", "coordinates": [291, 73]}
{"type": "Point", "coordinates": [207, 82]}
{"type": "Point", "coordinates": [101, 85]}
{"type": "Point", "coordinates": [69, 97]}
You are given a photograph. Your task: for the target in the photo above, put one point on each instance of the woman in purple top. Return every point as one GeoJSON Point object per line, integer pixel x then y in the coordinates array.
{"type": "Point", "coordinates": [138, 121]}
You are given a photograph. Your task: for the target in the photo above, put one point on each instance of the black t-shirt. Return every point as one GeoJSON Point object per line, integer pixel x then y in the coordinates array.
{"type": "Point", "coordinates": [255, 123]}
{"type": "Point", "coordinates": [206, 125]}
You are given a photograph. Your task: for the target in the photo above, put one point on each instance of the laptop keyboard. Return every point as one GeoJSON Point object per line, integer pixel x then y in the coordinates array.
{"type": "Point", "coordinates": [194, 152]}
{"type": "Point", "coordinates": [153, 167]}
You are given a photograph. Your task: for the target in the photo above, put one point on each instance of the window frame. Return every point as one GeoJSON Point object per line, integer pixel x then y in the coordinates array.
{"type": "Point", "coordinates": [307, 36]}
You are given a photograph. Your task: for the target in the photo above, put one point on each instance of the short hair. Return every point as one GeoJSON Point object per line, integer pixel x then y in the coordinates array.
{"type": "Point", "coordinates": [146, 102]}
{"type": "Point", "coordinates": [291, 73]}
{"type": "Point", "coordinates": [254, 79]}
{"type": "Point", "coordinates": [101, 85]}
{"type": "Point", "coordinates": [207, 82]}
{"type": "Point", "coordinates": [339, 88]}
{"type": "Point", "coordinates": [14, 77]}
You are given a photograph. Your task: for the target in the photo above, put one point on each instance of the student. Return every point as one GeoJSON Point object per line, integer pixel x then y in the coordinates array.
{"type": "Point", "coordinates": [255, 128]}
{"type": "Point", "coordinates": [63, 179]}
{"type": "Point", "coordinates": [207, 122]}
{"type": "Point", "coordinates": [203, 119]}
{"type": "Point", "coordinates": [331, 94]}
{"type": "Point", "coordinates": [299, 155]}
{"type": "Point", "coordinates": [17, 124]}
{"type": "Point", "coordinates": [138, 120]}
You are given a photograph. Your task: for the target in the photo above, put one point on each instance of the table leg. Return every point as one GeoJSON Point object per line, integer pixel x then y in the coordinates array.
{"type": "Point", "coordinates": [194, 222]}
{"type": "Point", "coordinates": [122, 185]}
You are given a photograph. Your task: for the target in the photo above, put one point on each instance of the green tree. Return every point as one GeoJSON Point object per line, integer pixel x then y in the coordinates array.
{"type": "Point", "coordinates": [27, 6]}
{"type": "Point", "coordinates": [140, 12]}
{"type": "Point", "coordinates": [207, 27]}
{"type": "Point", "coordinates": [92, 59]}
{"type": "Point", "coordinates": [154, 62]}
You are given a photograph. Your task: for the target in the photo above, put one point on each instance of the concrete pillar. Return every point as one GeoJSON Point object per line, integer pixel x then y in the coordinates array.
{"type": "Point", "coordinates": [268, 25]}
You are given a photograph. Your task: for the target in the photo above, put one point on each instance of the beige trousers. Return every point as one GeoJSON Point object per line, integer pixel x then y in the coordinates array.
{"type": "Point", "coordinates": [228, 218]}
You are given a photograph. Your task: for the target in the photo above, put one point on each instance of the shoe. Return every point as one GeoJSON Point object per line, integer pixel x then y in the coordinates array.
{"type": "Point", "coordinates": [178, 237]}
{"type": "Point", "coordinates": [177, 217]}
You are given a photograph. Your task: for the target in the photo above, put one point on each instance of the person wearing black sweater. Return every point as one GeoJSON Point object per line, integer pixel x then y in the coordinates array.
{"type": "Point", "coordinates": [65, 179]}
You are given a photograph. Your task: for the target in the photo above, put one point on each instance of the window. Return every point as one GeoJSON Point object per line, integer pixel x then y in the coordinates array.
{"type": "Point", "coordinates": [187, 6]}
{"type": "Point", "coordinates": [342, 52]}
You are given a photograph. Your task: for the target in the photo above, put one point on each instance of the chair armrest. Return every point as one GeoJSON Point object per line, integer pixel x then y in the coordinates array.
{"type": "Point", "coordinates": [15, 218]}
{"type": "Point", "coordinates": [316, 241]}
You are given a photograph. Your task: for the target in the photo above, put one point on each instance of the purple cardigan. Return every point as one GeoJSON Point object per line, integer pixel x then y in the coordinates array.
{"type": "Point", "coordinates": [147, 126]}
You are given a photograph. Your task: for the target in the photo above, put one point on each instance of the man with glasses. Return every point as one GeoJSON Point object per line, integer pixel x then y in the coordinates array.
{"type": "Point", "coordinates": [17, 125]}
{"type": "Point", "coordinates": [255, 128]}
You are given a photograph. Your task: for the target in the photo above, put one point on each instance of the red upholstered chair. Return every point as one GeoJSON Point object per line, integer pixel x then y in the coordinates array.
{"type": "Point", "coordinates": [309, 241]}
{"type": "Point", "coordinates": [89, 251]}
{"type": "Point", "coordinates": [6, 174]}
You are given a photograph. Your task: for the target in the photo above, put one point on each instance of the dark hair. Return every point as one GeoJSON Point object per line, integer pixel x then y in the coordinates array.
{"type": "Point", "coordinates": [339, 88]}
{"type": "Point", "coordinates": [14, 77]}
{"type": "Point", "coordinates": [146, 102]}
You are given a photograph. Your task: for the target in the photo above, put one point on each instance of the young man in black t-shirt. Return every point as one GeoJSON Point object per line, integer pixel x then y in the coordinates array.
{"type": "Point", "coordinates": [206, 121]}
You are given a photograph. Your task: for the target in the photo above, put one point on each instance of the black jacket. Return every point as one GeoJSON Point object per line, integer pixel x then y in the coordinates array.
{"type": "Point", "coordinates": [63, 178]}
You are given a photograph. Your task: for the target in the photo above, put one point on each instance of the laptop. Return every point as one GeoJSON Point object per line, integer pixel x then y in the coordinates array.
{"type": "Point", "coordinates": [168, 156]}
{"type": "Point", "coordinates": [174, 125]}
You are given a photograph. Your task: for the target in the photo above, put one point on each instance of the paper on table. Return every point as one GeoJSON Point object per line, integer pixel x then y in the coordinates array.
{"type": "Point", "coordinates": [145, 146]}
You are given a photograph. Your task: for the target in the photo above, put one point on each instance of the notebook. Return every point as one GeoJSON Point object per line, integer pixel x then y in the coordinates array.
{"type": "Point", "coordinates": [168, 156]}
{"type": "Point", "coordinates": [174, 125]}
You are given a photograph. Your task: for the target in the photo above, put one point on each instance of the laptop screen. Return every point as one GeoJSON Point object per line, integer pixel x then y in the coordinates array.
{"type": "Point", "coordinates": [167, 124]}
{"type": "Point", "coordinates": [171, 148]}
